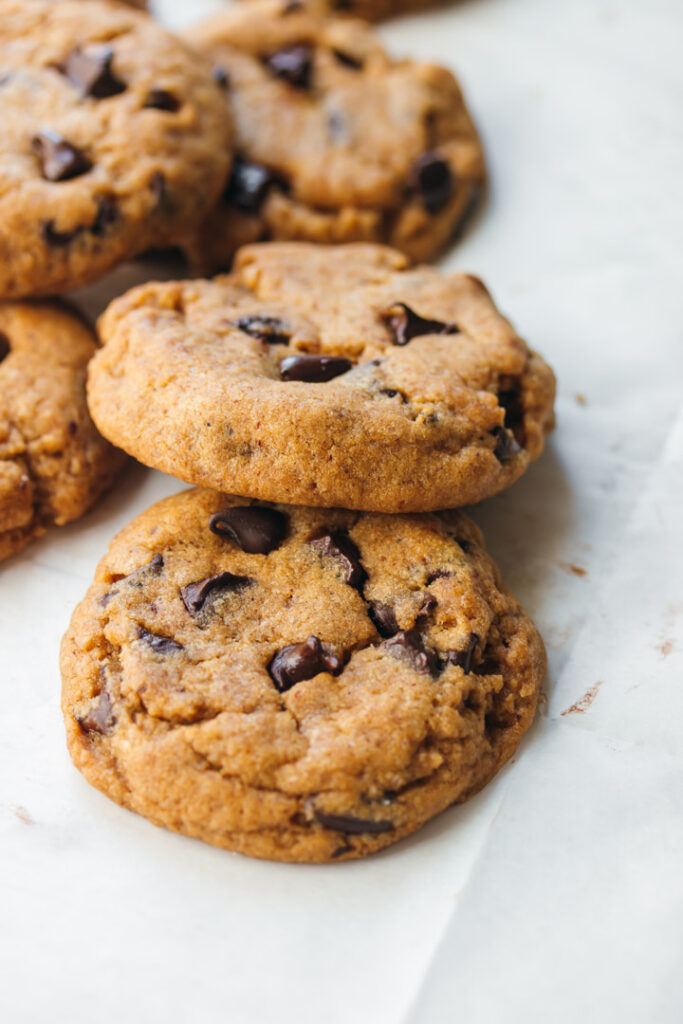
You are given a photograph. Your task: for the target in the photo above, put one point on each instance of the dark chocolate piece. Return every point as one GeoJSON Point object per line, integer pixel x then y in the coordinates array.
{"type": "Point", "coordinates": [158, 643]}
{"type": "Point", "coordinates": [353, 826]}
{"type": "Point", "coordinates": [100, 717]}
{"type": "Point", "coordinates": [255, 528]}
{"type": "Point", "coordinates": [268, 329]}
{"type": "Point", "coordinates": [404, 324]}
{"type": "Point", "coordinates": [338, 545]}
{"type": "Point", "coordinates": [5, 347]}
{"type": "Point", "coordinates": [249, 185]}
{"type": "Point", "coordinates": [506, 444]}
{"type": "Point", "coordinates": [296, 662]}
{"type": "Point", "coordinates": [408, 645]}
{"type": "Point", "coordinates": [383, 618]}
{"type": "Point", "coordinates": [91, 72]}
{"type": "Point", "coordinates": [194, 595]}
{"type": "Point", "coordinates": [433, 179]}
{"type": "Point", "coordinates": [294, 64]}
{"type": "Point", "coordinates": [313, 369]}
{"type": "Point", "coordinates": [59, 159]}
{"type": "Point", "coordinates": [162, 99]}
{"type": "Point", "coordinates": [463, 658]}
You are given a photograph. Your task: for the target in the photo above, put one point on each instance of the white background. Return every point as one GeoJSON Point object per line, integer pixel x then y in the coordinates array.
{"type": "Point", "coordinates": [557, 894]}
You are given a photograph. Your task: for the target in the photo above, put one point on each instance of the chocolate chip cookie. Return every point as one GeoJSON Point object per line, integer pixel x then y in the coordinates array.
{"type": "Point", "coordinates": [113, 139]}
{"type": "Point", "coordinates": [323, 376]}
{"type": "Point", "coordinates": [296, 684]}
{"type": "Point", "coordinates": [370, 10]}
{"type": "Point", "coordinates": [53, 463]}
{"type": "Point", "coordinates": [335, 140]}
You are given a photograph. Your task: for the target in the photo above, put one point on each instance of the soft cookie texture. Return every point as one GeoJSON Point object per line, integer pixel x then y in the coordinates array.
{"type": "Point", "coordinates": [53, 463]}
{"type": "Point", "coordinates": [296, 684]}
{"type": "Point", "coordinates": [323, 376]}
{"type": "Point", "coordinates": [113, 139]}
{"type": "Point", "coordinates": [335, 140]}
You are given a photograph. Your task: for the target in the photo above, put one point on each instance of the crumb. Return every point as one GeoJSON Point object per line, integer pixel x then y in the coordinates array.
{"type": "Point", "coordinates": [665, 648]}
{"type": "Point", "coordinates": [580, 399]}
{"type": "Point", "coordinates": [585, 702]}
{"type": "Point", "coordinates": [577, 570]}
{"type": "Point", "coordinates": [23, 815]}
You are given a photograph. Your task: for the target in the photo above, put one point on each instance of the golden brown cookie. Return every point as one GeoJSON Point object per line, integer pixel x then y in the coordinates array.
{"type": "Point", "coordinates": [113, 139]}
{"type": "Point", "coordinates": [296, 684]}
{"type": "Point", "coordinates": [335, 140]}
{"type": "Point", "coordinates": [53, 463]}
{"type": "Point", "coordinates": [323, 376]}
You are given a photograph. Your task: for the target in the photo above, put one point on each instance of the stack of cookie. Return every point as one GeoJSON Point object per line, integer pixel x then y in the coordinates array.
{"type": "Point", "coordinates": [312, 669]}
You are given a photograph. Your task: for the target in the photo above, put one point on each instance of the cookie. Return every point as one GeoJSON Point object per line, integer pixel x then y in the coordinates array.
{"type": "Point", "coordinates": [335, 140]}
{"type": "Point", "coordinates": [53, 463]}
{"type": "Point", "coordinates": [296, 684]}
{"type": "Point", "coordinates": [369, 10]}
{"type": "Point", "coordinates": [113, 139]}
{"type": "Point", "coordinates": [323, 376]}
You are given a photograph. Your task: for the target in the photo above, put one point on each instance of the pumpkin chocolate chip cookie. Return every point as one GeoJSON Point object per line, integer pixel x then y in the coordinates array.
{"type": "Point", "coordinates": [335, 140]}
{"type": "Point", "coordinates": [113, 139]}
{"type": "Point", "coordinates": [323, 376]}
{"type": "Point", "coordinates": [296, 684]}
{"type": "Point", "coordinates": [53, 463]}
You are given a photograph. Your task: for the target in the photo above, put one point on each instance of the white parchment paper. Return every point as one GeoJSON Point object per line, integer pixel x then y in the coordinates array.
{"type": "Point", "coordinates": [556, 894]}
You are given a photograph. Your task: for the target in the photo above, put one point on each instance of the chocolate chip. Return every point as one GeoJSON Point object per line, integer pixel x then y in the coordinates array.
{"type": "Point", "coordinates": [408, 645]}
{"type": "Point", "coordinates": [157, 185]}
{"type": "Point", "coordinates": [296, 662]}
{"type": "Point", "coordinates": [162, 99]}
{"type": "Point", "coordinates": [433, 179]}
{"type": "Point", "coordinates": [291, 7]}
{"type": "Point", "coordinates": [404, 324]}
{"type": "Point", "coordinates": [313, 369]}
{"type": "Point", "coordinates": [249, 185]}
{"type": "Point", "coordinates": [294, 64]}
{"type": "Point", "coordinates": [60, 160]}
{"type": "Point", "coordinates": [353, 826]}
{"type": "Point", "coordinates": [221, 77]}
{"type": "Point", "coordinates": [511, 401]}
{"type": "Point", "coordinates": [255, 528]}
{"type": "Point", "coordinates": [438, 574]}
{"type": "Point", "coordinates": [488, 667]}
{"type": "Point", "coordinates": [266, 328]}
{"type": "Point", "coordinates": [194, 595]}
{"type": "Point", "coordinates": [466, 545]}
{"type": "Point", "coordinates": [429, 603]}
{"type": "Point", "coordinates": [463, 658]}
{"type": "Point", "coordinates": [348, 59]}
{"type": "Point", "coordinates": [5, 347]}
{"type": "Point", "coordinates": [393, 393]}
{"type": "Point", "coordinates": [107, 214]}
{"type": "Point", "coordinates": [338, 545]}
{"type": "Point", "coordinates": [158, 643]}
{"type": "Point", "coordinates": [383, 618]}
{"type": "Point", "coordinates": [506, 446]}
{"type": "Point", "coordinates": [55, 239]}
{"type": "Point", "coordinates": [100, 717]}
{"type": "Point", "coordinates": [91, 72]}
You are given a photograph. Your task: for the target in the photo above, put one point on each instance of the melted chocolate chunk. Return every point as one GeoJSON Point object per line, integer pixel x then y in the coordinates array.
{"type": "Point", "coordinates": [107, 214]}
{"type": "Point", "coordinates": [249, 185]}
{"type": "Point", "coordinates": [506, 444]}
{"type": "Point", "coordinates": [293, 63]}
{"type": "Point", "coordinates": [194, 595]}
{"type": "Point", "coordinates": [5, 347]}
{"type": "Point", "coordinates": [91, 72]}
{"type": "Point", "coordinates": [393, 393]}
{"type": "Point", "coordinates": [466, 545]}
{"type": "Point", "coordinates": [348, 59]}
{"type": "Point", "coordinates": [338, 545]}
{"type": "Point", "coordinates": [221, 77]}
{"type": "Point", "coordinates": [162, 99]}
{"type": "Point", "coordinates": [353, 826]}
{"type": "Point", "coordinates": [59, 159]}
{"type": "Point", "coordinates": [383, 618]}
{"type": "Point", "coordinates": [268, 329]}
{"type": "Point", "coordinates": [488, 667]}
{"type": "Point", "coordinates": [157, 185]}
{"type": "Point", "coordinates": [296, 662]}
{"type": "Point", "coordinates": [404, 324]}
{"type": "Point", "coordinates": [433, 179]}
{"type": "Point", "coordinates": [463, 658]}
{"type": "Point", "coordinates": [100, 718]}
{"type": "Point", "coordinates": [313, 369]}
{"type": "Point", "coordinates": [255, 528]}
{"type": "Point", "coordinates": [56, 239]}
{"type": "Point", "coordinates": [408, 645]}
{"type": "Point", "coordinates": [511, 401]}
{"type": "Point", "coordinates": [158, 643]}
{"type": "Point", "coordinates": [429, 603]}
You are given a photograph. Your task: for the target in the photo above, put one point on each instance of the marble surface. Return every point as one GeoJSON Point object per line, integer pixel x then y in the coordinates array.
{"type": "Point", "coordinates": [556, 894]}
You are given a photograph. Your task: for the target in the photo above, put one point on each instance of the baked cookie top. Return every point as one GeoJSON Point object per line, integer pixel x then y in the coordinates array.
{"type": "Point", "coordinates": [323, 376]}
{"type": "Point", "coordinates": [296, 684]}
{"type": "Point", "coordinates": [113, 138]}
{"type": "Point", "coordinates": [335, 140]}
{"type": "Point", "coordinates": [53, 463]}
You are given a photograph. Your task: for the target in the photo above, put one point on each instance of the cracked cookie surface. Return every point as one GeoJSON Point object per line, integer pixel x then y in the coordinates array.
{"type": "Point", "coordinates": [113, 139]}
{"type": "Point", "coordinates": [296, 684]}
{"type": "Point", "coordinates": [335, 140]}
{"type": "Point", "coordinates": [53, 463]}
{"type": "Point", "coordinates": [323, 376]}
